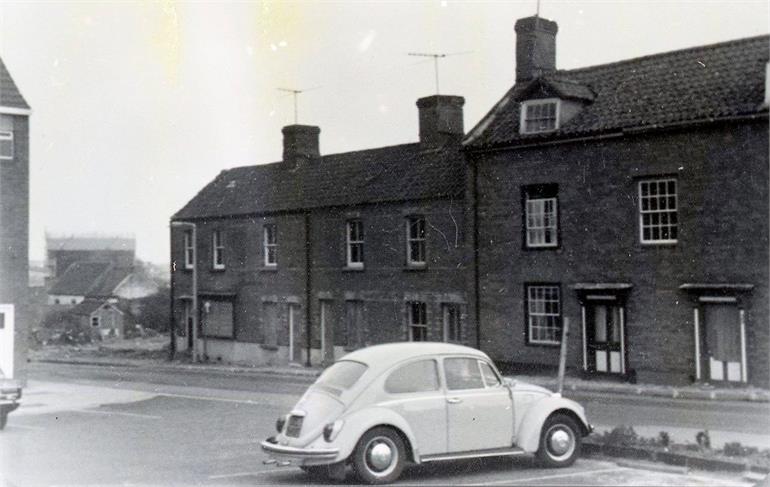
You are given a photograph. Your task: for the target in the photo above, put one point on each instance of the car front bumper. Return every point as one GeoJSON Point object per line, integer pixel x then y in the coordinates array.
{"type": "Point", "coordinates": [299, 455]}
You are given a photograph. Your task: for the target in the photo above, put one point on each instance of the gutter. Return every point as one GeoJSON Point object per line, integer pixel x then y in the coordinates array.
{"type": "Point", "coordinates": [620, 133]}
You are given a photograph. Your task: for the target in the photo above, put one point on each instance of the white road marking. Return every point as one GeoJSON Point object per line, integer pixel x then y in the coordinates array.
{"type": "Point", "coordinates": [24, 427]}
{"type": "Point", "coordinates": [245, 474]}
{"type": "Point", "coordinates": [119, 413]}
{"type": "Point", "coordinates": [205, 398]}
{"type": "Point", "coordinates": [546, 477]}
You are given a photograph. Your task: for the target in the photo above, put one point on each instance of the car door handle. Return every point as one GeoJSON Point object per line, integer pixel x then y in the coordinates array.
{"type": "Point", "coordinates": [454, 400]}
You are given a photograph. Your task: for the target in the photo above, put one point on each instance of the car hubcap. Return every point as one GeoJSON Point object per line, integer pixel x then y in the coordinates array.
{"type": "Point", "coordinates": [561, 442]}
{"type": "Point", "coordinates": [380, 456]}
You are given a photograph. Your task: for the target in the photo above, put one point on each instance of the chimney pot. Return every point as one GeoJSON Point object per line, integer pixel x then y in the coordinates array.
{"type": "Point", "coordinates": [441, 119]}
{"type": "Point", "coordinates": [535, 47]}
{"type": "Point", "coordinates": [300, 143]}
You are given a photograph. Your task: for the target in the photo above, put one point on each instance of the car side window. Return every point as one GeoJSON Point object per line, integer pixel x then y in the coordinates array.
{"type": "Point", "coordinates": [463, 373]}
{"type": "Point", "coordinates": [420, 376]}
{"type": "Point", "coordinates": [490, 378]}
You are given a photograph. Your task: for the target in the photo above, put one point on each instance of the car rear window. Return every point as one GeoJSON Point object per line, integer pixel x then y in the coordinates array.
{"type": "Point", "coordinates": [420, 376]}
{"type": "Point", "coordinates": [341, 376]}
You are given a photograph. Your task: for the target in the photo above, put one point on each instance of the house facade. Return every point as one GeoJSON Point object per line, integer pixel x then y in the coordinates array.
{"type": "Point", "coordinates": [628, 201]}
{"type": "Point", "coordinates": [632, 200]}
{"type": "Point", "coordinates": [305, 259]}
{"type": "Point", "coordinates": [14, 224]}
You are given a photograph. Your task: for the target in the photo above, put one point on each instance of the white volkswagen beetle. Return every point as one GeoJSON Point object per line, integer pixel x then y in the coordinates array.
{"type": "Point", "coordinates": [383, 406]}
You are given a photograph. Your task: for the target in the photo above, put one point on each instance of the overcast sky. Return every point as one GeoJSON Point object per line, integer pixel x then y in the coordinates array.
{"type": "Point", "coordinates": [137, 105]}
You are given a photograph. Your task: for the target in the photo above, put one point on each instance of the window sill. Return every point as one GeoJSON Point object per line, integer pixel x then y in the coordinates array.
{"type": "Point", "coordinates": [544, 344]}
{"type": "Point", "coordinates": [541, 247]}
{"type": "Point", "coordinates": [662, 243]}
{"type": "Point", "coordinates": [265, 346]}
{"type": "Point", "coordinates": [353, 269]}
{"type": "Point", "coordinates": [268, 269]}
{"type": "Point", "coordinates": [416, 267]}
{"type": "Point", "coordinates": [218, 269]}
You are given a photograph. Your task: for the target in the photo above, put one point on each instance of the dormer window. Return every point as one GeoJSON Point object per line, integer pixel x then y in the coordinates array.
{"type": "Point", "coordinates": [539, 116]}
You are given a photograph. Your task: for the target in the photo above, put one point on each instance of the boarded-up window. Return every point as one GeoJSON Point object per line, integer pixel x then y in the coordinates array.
{"type": "Point", "coordinates": [270, 324]}
{"type": "Point", "coordinates": [353, 324]}
{"type": "Point", "coordinates": [217, 319]}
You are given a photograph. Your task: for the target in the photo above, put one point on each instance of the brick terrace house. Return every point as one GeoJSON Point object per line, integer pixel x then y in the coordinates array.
{"type": "Point", "coordinates": [348, 249]}
{"type": "Point", "coordinates": [14, 220]}
{"type": "Point", "coordinates": [631, 198]}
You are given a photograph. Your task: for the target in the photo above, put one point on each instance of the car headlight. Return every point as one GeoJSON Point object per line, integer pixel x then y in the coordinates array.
{"type": "Point", "coordinates": [279, 423]}
{"type": "Point", "coordinates": [331, 430]}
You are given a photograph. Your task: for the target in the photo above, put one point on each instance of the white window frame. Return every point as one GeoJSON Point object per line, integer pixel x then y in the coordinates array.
{"type": "Point", "coordinates": [7, 135]}
{"type": "Point", "coordinates": [415, 324]}
{"type": "Point", "coordinates": [532, 231]}
{"type": "Point", "coordinates": [667, 211]}
{"type": "Point", "coordinates": [270, 246]}
{"type": "Point", "coordinates": [350, 243]}
{"type": "Point", "coordinates": [535, 311]}
{"type": "Point", "coordinates": [217, 250]}
{"type": "Point", "coordinates": [540, 102]}
{"type": "Point", "coordinates": [420, 241]}
{"type": "Point", "coordinates": [189, 250]}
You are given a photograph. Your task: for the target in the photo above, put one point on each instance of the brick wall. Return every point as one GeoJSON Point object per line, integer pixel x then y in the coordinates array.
{"type": "Point", "coordinates": [722, 175]}
{"type": "Point", "coordinates": [383, 287]}
{"type": "Point", "coordinates": [14, 236]}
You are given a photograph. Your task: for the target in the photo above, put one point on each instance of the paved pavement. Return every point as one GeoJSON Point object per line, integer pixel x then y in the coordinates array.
{"type": "Point", "coordinates": [129, 427]}
{"type": "Point", "coordinates": [574, 384]}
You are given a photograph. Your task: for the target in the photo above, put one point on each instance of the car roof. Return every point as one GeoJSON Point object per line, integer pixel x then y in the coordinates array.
{"type": "Point", "coordinates": [391, 353]}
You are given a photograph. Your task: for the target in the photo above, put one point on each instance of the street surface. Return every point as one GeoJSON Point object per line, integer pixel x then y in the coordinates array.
{"type": "Point", "coordinates": [106, 426]}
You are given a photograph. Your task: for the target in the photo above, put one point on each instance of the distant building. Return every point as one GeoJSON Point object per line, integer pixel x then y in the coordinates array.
{"type": "Point", "coordinates": [14, 219]}
{"type": "Point", "coordinates": [99, 280]}
{"type": "Point", "coordinates": [631, 198]}
{"type": "Point", "coordinates": [101, 317]}
{"type": "Point", "coordinates": [315, 255]}
{"type": "Point", "coordinates": [61, 252]}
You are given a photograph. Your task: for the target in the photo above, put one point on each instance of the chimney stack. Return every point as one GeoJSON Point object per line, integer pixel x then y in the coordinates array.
{"type": "Point", "coordinates": [441, 119]}
{"type": "Point", "coordinates": [300, 143]}
{"type": "Point", "coordinates": [535, 47]}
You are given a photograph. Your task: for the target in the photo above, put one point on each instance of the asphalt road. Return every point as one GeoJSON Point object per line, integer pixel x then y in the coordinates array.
{"type": "Point", "coordinates": [204, 429]}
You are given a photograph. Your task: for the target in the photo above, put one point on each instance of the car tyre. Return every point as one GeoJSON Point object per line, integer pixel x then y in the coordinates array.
{"type": "Point", "coordinates": [560, 441]}
{"type": "Point", "coordinates": [379, 456]}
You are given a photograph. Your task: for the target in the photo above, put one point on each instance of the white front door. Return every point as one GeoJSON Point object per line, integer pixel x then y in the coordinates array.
{"type": "Point", "coordinates": [6, 339]}
{"type": "Point", "coordinates": [479, 414]}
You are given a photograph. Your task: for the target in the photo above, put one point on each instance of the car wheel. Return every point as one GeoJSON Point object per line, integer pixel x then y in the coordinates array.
{"type": "Point", "coordinates": [559, 441]}
{"type": "Point", "coordinates": [379, 456]}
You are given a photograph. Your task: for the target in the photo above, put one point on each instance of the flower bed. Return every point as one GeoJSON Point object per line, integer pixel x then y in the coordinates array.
{"type": "Point", "coordinates": [622, 441]}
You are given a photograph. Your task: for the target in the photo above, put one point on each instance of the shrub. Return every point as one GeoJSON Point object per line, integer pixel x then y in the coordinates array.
{"type": "Point", "coordinates": [735, 449]}
{"type": "Point", "coordinates": [703, 440]}
{"type": "Point", "coordinates": [621, 436]}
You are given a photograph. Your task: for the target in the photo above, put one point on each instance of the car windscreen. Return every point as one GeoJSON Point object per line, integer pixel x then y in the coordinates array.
{"type": "Point", "coordinates": [340, 377]}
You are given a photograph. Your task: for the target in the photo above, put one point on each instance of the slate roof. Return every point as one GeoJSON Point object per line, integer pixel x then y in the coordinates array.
{"type": "Point", "coordinates": [690, 85]}
{"type": "Point", "coordinates": [10, 96]}
{"type": "Point", "coordinates": [90, 243]}
{"type": "Point", "coordinates": [395, 173]}
{"type": "Point", "coordinates": [88, 306]}
{"type": "Point", "coordinates": [94, 279]}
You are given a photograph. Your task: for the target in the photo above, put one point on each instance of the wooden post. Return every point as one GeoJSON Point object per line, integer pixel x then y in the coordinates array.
{"type": "Point", "coordinates": [563, 354]}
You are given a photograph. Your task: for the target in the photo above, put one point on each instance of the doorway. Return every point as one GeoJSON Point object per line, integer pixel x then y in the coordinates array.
{"type": "Point", "coordinates": [604, 336]}
{"type": "Point", "coordinates": [724, 342]}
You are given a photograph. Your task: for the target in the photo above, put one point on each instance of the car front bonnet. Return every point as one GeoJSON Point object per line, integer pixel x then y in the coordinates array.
{"type": "Point", "coordinates": [273, 448]}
